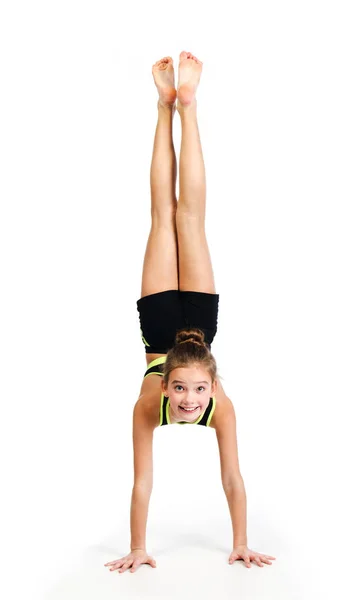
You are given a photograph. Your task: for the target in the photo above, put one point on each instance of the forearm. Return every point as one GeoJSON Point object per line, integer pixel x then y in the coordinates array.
{"type": "Point", "coordinates": [237, 502]}
{"type": "Point", "coordinates": [138, 516]}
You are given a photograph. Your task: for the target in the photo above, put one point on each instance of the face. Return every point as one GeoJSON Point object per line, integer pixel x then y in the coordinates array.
{"type": "Point", "coordinates": [188, 387]}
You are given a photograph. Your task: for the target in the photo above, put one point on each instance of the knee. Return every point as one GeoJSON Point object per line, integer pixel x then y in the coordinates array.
{"type": "Point", "coordinates": [189, 218]}
{"type": "Point", "coordinates": [164, 217]}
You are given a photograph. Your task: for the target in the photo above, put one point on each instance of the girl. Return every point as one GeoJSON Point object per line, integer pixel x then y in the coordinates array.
{"type": "Point", "coordinates": [178, 312]}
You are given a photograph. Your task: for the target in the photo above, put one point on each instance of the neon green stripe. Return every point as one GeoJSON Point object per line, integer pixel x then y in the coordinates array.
{"type": "Point", "coordinates": [157, 361]}
{"type": "Point", "coordinates": [212, 411]}
{"type": "Point", "coordinates": [161, 408]}
{"type": "Point", "coordinates": [143, 339]}
{"type": "Point", "coordinates": [167, 411]}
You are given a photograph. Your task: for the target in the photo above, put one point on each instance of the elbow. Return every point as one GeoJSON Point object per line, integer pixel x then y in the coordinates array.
{"type": "Point", "coordinates": [232, 483]}
{"type": "Point", "coordinates": [143, 485]}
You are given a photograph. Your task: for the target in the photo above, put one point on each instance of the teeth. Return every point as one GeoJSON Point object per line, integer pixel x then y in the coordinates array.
{"type": "Point", "coordinates": [189, 409]}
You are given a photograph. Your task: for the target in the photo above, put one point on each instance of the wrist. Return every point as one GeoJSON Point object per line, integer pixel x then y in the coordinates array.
{"type": "Point", "coordinates": [240, 543]}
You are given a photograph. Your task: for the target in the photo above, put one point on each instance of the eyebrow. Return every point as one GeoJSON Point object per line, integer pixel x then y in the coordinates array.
{"type": "Point", "coordinates": [181, 381]}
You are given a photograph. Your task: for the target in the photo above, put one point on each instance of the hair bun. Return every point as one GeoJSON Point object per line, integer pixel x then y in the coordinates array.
{"type": "Point", "coordinates": [194, 335]}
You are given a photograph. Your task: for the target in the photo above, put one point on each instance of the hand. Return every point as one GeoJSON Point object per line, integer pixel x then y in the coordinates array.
{"type": "Point", "coordinates": [248, 556]}
{"type": "Point", "coordinates": [134, 559]}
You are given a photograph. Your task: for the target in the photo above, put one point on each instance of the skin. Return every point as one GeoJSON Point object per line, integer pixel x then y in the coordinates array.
{"type": "Point", "coordinates": [190, 387]}
{"type": "Point", "coordinates": [177, 257]}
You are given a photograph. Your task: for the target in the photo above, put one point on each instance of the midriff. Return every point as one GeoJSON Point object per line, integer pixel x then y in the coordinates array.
{"type": "Point", "coordinates": [151, 357]}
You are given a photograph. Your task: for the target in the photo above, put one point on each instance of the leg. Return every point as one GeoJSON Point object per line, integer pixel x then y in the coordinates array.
{"type": "Point", "coordinates": [195, 266]}
{"type": "Point", "coordinates": [160, 267]}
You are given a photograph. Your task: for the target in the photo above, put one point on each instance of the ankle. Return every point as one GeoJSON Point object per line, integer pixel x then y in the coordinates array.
{"type": "Point", "coordinates": [187, 109]}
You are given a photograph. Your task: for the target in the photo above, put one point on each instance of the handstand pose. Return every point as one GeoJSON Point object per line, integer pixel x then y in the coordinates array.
{"type": "Point", "coordinates": [178, 312]}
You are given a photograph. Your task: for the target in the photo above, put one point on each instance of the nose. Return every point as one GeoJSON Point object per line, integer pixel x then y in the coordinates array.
{"type": "Point", "coordinates": [189, 399]}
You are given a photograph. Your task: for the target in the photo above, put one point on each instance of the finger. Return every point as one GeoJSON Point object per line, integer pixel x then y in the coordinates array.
{"type": "Point", "coordinates": [265, 560]}
{"type": "Point", "coordinates": [127, 564]}
{"type": "Point", "coordinates": [152, 562]}
{"type": "Point", "coordinates": [117, 565]}
{"type": "Point", "coordinates": [119, 561]}
{"type": "Point", "coordinates": [258, 561]}
{"type": "Point", "coordinates": [247, 561]}
{"type": "Point", "coordinates": [135, 565]}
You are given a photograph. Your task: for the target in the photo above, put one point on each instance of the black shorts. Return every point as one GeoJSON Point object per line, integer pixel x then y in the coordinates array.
{"type": "Point", "coordinates": [162, 314]}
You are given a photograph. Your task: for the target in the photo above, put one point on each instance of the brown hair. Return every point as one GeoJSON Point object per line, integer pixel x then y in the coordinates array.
{"type": "Point", "coordinates": [189, 348]}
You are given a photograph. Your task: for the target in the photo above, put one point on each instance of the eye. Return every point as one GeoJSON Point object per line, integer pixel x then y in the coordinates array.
{"type": "Point", "coordinates": [178, 386]}
{"type": "Point", "coordinates": [201, 387]}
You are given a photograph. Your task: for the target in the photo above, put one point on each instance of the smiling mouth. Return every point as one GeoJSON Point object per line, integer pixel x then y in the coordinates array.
{"type": "Point", "coordinates": [190, 410]}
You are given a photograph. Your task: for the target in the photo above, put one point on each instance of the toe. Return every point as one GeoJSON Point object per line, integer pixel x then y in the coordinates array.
{"type": "Point", "coordinates": [162, 64]}
{"type": "Point", "coordinates": [165, 62]}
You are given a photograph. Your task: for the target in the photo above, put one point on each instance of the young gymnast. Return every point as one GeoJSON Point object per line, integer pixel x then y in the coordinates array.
{"type": "Point", "coordinates": [178, 312]}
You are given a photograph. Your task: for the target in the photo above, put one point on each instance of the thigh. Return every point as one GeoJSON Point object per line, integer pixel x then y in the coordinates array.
{"type": "Point", "coordinates": [195, 265]}
{"type": "Point", "coordinates": [160, 267]}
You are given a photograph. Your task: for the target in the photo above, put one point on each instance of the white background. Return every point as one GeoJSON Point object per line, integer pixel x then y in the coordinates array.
{"type": "Point", "coordinates": [280, 118]}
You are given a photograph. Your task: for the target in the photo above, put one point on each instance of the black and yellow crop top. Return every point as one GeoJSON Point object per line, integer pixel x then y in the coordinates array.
{"type": "Point", "coordinates": [156, 368]}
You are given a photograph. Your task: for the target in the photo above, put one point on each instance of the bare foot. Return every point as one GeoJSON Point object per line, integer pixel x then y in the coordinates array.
{"type": "Point", "coordinates": [190, 69]}
{"type": "Point", "coordinates": [163, 72]}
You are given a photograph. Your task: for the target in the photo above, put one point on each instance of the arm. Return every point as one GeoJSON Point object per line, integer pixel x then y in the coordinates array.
{"type": "Point", "coordinates": [138, 517]}
{"type": "Point", "coordinates": [143, 473]}
{"type": "Point", "coordinates": [236, 498]}
{"type": "Point", "coordinates": [232, 480]}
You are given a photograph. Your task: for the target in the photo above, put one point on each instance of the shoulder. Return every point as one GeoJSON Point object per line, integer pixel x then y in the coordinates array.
{"type": "Point", "coordinates": [224, 410]}
{"type": "Point", "coordinates": [148, 403]}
